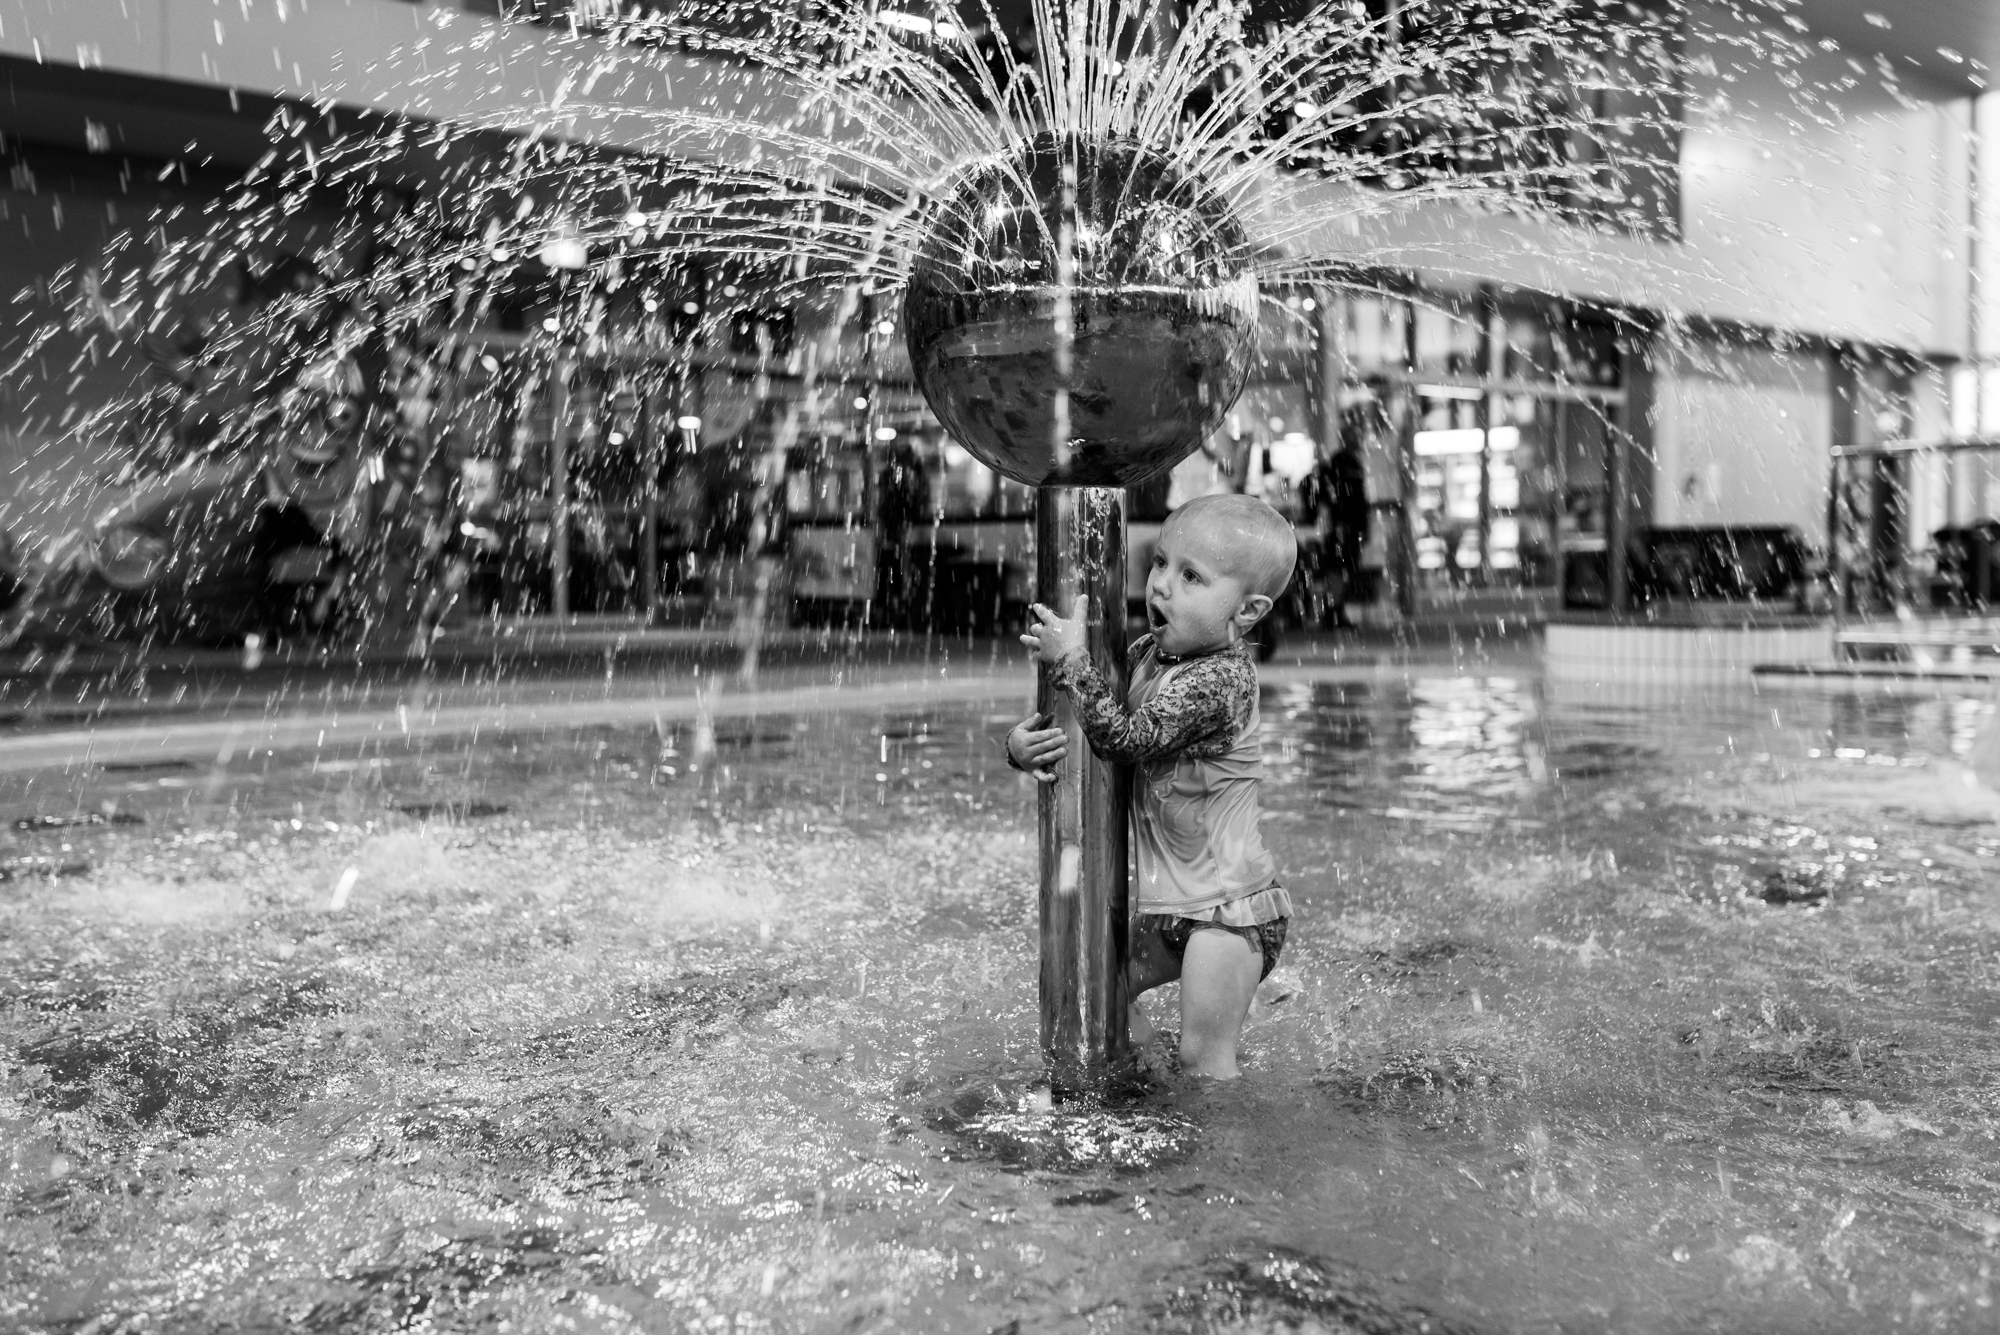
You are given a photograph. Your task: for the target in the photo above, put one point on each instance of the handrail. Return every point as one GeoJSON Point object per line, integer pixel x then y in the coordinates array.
{"type": "Point", "coordinates": [1898, 448]}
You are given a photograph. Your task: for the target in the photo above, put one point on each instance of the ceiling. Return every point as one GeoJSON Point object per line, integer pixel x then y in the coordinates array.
{"type": "Point", "coordinates": [156, 118]}
{"type": "Point", "coordinates": [141, 116]}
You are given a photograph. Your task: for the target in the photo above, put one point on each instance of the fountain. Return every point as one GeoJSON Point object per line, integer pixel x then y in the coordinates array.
{"type": "Point", "coordinates": [1080, 319]}
{"type": "Point", "coordinates": [1079, 309]}
{"type": "Point", "coordinates": [665, 1011]}
{"type": "Point", "coordinates": [1071, 234]}
{"type": "Point", "coordinates": [1081, 314]}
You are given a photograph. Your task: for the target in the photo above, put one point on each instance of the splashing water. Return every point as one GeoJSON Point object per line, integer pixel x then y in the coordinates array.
{"type": "Point", "coordinates": [721, 1019]}
{"type": "Point", "coordinates": [754, 1045]}
{"type": "Point", "coordinates": [798, 162]}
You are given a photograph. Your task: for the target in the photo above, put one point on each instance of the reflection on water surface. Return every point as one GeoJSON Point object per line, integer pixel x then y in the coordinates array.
{"type": "Point", "coordinates": [1596, 1015]}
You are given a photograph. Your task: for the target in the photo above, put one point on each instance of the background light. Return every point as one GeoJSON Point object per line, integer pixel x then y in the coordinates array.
{"type": "Point", "coordinates": [1467, 440]}
{"type": "Point", "coordinates": [1292, 456]}
{"type": "Point", "coordinates": [916, 25]}
{"type": "Point", "coordinates": [564, 250]}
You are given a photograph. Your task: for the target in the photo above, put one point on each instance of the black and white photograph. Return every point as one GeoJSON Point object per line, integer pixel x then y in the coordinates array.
{"type": "Point", "coordinates": [999, 667]}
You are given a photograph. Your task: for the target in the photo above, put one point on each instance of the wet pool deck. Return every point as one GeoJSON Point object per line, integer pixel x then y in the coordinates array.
{"type": "Point", "coordinates": [1599, 1015]}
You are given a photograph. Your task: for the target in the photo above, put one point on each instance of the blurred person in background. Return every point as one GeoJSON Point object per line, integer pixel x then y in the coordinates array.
{"type": "Point", "coordinates": [1334, 499]}
{"type": "Point", "coordinates": [903, 500]}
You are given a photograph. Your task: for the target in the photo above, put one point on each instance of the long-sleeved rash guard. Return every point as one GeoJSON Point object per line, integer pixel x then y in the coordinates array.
{"type": "Point", "coordinates": [1190, 729]}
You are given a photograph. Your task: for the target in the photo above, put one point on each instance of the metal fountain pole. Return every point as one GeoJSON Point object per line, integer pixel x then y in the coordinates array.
{"type": "Point", "coordinates": [1080, 554]}
{"type": "Point", "coordinates": [1122, 376]}
{"type": "Point", "coordinates": [1080, 562]}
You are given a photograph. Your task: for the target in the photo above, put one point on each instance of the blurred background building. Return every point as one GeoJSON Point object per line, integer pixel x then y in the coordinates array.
{"type": "Point", "coordinates": [1785, 357]}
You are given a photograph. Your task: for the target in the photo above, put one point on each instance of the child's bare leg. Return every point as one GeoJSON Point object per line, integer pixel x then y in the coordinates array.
{"type": "Point", "coordinates": [1219, 976]}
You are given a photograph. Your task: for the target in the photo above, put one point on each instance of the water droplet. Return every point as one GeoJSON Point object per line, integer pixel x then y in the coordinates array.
{"type": "Point", "coordinates": [343, 888]}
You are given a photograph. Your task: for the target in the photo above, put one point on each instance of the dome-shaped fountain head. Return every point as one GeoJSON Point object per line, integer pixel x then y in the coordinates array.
{"type": "Point", "coordinates": [1161, 303]}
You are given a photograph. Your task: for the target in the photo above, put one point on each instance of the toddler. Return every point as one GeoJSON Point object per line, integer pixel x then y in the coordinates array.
{"type": "Point", "coordinates": [1209, 910]}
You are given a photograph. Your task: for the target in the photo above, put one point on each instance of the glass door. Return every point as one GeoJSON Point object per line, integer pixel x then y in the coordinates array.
{"type": "Point", "coordinates": [1489, 487]}
{"type": "Point", "coordinates": [1451, 535]}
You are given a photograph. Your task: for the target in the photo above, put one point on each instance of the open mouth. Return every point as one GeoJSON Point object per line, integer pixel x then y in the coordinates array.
{"type": "Point", "coordinates": [1155, 618]}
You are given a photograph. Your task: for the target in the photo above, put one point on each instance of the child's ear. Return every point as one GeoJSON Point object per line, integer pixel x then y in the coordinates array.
{"type": "Point", "coordinates": [1254, 608]}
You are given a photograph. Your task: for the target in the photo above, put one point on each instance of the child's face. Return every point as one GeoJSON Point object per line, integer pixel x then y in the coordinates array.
{"type": "Point", "coordinates": [1194, 603]}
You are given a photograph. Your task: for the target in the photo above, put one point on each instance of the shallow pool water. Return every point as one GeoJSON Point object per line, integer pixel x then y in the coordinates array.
{"type": "Point", "coordinates": [1598, 1014]}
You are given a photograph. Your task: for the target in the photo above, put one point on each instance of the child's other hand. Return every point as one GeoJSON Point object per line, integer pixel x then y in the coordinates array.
{"type": "Point", "coordinates": [1051, 636]}
{"type": "Point", "coordinates": [1037, 749]}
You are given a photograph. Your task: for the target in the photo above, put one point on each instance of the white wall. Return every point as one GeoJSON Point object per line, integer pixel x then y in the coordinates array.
{"type": "Point", "coordinates": [1980, 386]}
{"type": "Point", "coordinates": [1741, 436]}
{"type": "Point", "coordinates": [1844, 217]}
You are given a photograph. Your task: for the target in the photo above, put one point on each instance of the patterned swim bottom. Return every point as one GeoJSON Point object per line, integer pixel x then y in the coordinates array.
{"type": "Point", "coordinates": [1266, 938]}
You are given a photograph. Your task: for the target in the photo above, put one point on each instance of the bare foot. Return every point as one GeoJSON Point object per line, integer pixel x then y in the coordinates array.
{"type": "Point", "coordinates": [1153, 1056]}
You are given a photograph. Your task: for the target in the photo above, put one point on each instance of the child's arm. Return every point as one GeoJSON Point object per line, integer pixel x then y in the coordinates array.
{"type": "Point", "coordinates": [1204, 698]}
{"type": "Point", "coordinates": [1200, 702]}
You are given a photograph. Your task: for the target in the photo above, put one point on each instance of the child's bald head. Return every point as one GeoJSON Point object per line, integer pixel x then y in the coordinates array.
{"type": "Point", "coordinates": [1250, 541]}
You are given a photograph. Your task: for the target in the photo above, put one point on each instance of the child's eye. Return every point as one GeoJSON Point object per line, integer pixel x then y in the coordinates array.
{"type": "Point", "coordinates": [1159, 562]}
{"type": "Point", "coordinates": [1191, 577]}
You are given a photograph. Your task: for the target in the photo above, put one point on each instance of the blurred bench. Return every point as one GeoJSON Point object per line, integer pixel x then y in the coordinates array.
{"type": "Point", "coordinates": [1728, 563]}
{"type": "Point", "coordinates": [1967, 572]}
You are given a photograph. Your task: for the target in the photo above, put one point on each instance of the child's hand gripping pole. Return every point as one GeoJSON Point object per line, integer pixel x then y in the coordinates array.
{"type": "Point", "coordinates": [1038, 743]}
{"type": "Point", "coordinates": [1038, 747]}
{"type": "Point", "coordinates": [1052, 636]}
